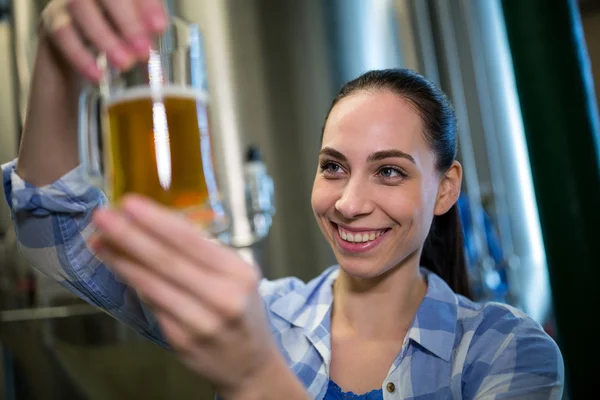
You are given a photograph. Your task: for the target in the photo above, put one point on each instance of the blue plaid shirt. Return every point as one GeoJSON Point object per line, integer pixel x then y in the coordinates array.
{"type": "Point", "coordinates": [454, 349]}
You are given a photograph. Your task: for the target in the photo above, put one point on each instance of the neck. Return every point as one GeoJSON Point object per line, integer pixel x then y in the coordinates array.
{"type": "Point", "coordinates": [380, 308]}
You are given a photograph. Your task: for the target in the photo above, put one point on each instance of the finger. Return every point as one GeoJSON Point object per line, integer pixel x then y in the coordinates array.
{"type": "Point", "coordinates": [127, 19]}
{"type": "Point", "coordinates": [178, 336]}
{"type": "Point", "coordinates": [186, 309]}
{"type": "Point", "coordinates": [182, 235]}
{"type": "Point", "coordinates": [96, 29]}
{"type": "Point", "coordinates": [226, 295]}
{"type": "Point", "coordinates": [185, 343]}
{"type": "Point", "coordinates": [154, 14]}
{"type": "Point", "coordinates": [68, 42]}
{"type": "Point", "coordinates": [55, 15]}
{"type": "Point", "coordinates": [191, 349]}
{"type": "Point", "coordinates": [128, 238]}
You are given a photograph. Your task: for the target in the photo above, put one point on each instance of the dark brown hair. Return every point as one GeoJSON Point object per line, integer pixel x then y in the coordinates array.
{"type": "Point", "coordinates": [443, 251]}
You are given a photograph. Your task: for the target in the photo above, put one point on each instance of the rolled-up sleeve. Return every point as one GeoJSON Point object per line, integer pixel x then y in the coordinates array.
{"type": "Point", "coordinates": [53, 225]}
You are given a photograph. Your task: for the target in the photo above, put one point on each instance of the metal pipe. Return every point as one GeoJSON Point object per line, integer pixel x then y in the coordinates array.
{"type": "Point", "coordinates": [487, 105]}
{"type": "Point", "coordinates": [366, 36]}
{"type": "Point", "coordinates": [508, 159]}
{"type": "Point", "coordinates": [416, 38]}
{"type": "Point", "coordinates": [456, 90]}
{"type": "Point", "coordinates": [34, 314]}
{"type": "Point", "coordinates": [8, 114]}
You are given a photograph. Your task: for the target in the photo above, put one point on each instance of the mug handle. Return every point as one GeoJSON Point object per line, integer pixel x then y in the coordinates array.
{"type": "Point", "coordinates": [89, 136]}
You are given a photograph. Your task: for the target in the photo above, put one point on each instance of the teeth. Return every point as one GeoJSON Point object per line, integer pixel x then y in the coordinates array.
{"type": "Point", "coordinates": [359, 237]}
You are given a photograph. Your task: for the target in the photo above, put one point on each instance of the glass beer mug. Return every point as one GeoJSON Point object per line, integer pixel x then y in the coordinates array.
{"type": "Point", "coordinates": [152, 137]}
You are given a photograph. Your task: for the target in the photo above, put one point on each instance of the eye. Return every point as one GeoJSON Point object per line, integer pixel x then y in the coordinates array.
{"type": "Point", "coordinates": [391, 173]}
{"type": "Point", "coordinates": [331, 168]}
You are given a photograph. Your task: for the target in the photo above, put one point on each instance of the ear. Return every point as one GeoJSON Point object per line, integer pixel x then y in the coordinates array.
{"type": "Point", "coordinates": [448, 189]}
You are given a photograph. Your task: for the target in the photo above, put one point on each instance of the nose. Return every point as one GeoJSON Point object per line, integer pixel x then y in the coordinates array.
{"type": "Point", "coordinates": [354, 201]}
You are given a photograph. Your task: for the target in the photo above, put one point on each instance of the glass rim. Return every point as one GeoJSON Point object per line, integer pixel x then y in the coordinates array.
{"type": "Point", "coordinates": [157, 93]}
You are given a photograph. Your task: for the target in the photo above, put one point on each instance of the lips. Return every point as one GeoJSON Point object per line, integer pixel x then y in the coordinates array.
{"type": "Point", "coordinates": [360, 240]}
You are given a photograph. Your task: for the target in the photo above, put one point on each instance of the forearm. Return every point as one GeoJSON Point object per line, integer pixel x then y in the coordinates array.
{"type": "Point", "coordinates": [49, 144]}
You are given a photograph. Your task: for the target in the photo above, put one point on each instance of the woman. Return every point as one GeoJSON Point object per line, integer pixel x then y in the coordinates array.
{"type": "Point", "coordinates": [377, 326]}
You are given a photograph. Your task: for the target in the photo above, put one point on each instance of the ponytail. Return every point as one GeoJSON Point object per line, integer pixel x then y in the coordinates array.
{"type": "Point", "coordinates": [444, 253]}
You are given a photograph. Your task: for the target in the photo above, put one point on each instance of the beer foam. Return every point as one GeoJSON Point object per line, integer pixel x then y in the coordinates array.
{"type": "Point", "coordinates": [146, 92]}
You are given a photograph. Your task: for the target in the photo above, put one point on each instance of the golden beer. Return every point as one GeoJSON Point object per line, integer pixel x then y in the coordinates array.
{"type": "Point", "coordinates": [158, 147]}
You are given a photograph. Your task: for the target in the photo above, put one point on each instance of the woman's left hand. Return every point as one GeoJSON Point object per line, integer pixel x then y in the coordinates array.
{"type": "Point", "coordinates": [204, 295]}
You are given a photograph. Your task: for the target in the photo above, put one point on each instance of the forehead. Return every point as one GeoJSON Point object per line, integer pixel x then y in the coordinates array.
{"type": "Point", "coordinates": [371, 121]}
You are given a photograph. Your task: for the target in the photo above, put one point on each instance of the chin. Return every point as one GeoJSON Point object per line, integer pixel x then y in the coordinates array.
{"type": "Point", "coordinates": [362, 268]}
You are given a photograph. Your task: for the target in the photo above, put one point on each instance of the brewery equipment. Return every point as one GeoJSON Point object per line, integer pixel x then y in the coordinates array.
{"type": "Point", "coordinates": [273, 68]}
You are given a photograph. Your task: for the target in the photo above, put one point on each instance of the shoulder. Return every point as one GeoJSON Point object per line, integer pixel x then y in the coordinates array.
{"type": "Point", "coordinates": [493, 323]}
{"type": "Point", "coordinates": [507, 352]}
{"type": "Point", "coordinates": [497, 330]}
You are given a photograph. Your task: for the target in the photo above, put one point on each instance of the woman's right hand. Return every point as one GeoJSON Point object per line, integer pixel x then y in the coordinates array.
{"type": "Point", "coordinates": [123, 29]}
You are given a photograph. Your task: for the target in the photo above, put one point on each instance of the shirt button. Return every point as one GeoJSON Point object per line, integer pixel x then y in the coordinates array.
{"type": "Point", "coordinates": [390, 387]}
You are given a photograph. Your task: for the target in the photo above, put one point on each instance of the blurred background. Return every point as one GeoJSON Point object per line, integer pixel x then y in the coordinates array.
{"type": "Point", "coordinates": [520, 74]}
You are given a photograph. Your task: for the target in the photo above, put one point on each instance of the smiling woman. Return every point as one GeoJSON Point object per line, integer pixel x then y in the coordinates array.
{"type": "Point", "coordinates": [394, 133]}
{"type": "Point", "coordinates": [392, 320]}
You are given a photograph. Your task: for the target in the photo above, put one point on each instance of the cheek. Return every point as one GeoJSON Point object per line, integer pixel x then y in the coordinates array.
{"type": "Point", "coordinates": [404, 203]}
{"type": "Point", "coordinates": [411, 207]}
{"type": "Point", "coordinates": [429, 192]}
{"type": "Point", "coordinates": [423, 215]}
{"type": "Point", "coordinates": [323, 196]}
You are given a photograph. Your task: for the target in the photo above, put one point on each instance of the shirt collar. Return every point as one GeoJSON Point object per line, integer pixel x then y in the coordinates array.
{"type": "Point", "coordinates": [434, 325]}
{"type": "Point", "coordinates": [433, 328]}
{"type": "Point", "coordinates": [309, 306]}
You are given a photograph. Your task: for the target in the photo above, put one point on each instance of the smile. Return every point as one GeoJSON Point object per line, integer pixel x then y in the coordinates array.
{"type": "Point", "coordinates": [359, 237]}
{"type": "Point", "coordinates": [358, 240]}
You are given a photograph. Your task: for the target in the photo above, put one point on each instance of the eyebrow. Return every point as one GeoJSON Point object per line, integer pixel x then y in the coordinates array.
{"type": "Point", "coordinates": [328, 151]}
{"type": "Point", "coordinates": [382, 155]}
{"type": "Point", "coordinates": [377, 156]}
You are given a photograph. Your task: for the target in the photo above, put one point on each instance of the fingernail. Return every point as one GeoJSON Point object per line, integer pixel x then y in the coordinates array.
{"type": "Point", "coordinates": [97, 246]}
{"type": "Point", "coordinates": [141, 45]}
{"type": "Point", "coordinates": [93, 73]}
{"type": "Point", "coordinates": [132, 204]}
{"type": "Point", "coordinates": [103, 219]}
{"type": "Point", "coordinates": [158, 21]}
{"type": "Point", "coordinates": [121, 58]}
